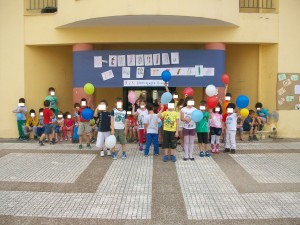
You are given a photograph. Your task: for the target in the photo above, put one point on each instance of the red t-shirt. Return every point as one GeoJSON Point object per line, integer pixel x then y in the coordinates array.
{"type": "Point", "coordinates": [224, 117]}
{"type": "Point", "coordinates": [47, 113]}
{"type": "Point", "coordinates": [68, 122]}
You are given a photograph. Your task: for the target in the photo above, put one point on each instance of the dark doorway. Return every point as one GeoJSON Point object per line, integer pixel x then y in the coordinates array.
{"type": "Point", "coordinates": [148, 93]}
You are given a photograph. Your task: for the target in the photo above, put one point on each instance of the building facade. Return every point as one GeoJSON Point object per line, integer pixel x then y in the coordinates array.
{"type": "Point", "coordinates": [260, 40]}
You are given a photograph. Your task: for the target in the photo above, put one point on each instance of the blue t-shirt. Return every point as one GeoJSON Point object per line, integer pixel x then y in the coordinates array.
{"type": "Point", "coordinates": [262, 113]}
{"type": "Point", "coordinates": [246, 125]}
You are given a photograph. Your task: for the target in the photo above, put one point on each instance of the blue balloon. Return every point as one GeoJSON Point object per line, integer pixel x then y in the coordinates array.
{"type": "Point", "coordinates": [166, 98]}
{"type": "Point", "coordinates": [160, 124]}
{"type": "Point", "coordinates": [166, 75]}
{"type": "Point", "coordinates": [242, 101]}
{"type": "Point", "coordinates": [87, 114]}
{"type": "Point", "coordinates": [197, 115]}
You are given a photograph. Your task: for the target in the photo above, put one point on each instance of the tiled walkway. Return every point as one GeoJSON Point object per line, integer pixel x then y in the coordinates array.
{"type": "Point", "coordinates": [64, 185]}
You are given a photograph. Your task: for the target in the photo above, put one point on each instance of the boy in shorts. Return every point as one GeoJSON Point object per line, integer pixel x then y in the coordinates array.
{"type": "Point", "coordinates": [48, 115]}
{"type": "Point", "coordinates": [84, 126]}
{"type": "Point", "coordinates": [119, 127]}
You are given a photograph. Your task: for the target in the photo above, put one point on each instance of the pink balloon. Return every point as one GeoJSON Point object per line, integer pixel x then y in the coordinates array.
{"type": "Point", "coordinates": [131, 97]}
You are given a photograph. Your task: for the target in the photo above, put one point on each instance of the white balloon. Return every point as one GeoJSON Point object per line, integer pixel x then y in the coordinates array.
{"type": "Point", "coordinates": [211, 90]}
{"type": "Point", "coordinates": [110, 141]}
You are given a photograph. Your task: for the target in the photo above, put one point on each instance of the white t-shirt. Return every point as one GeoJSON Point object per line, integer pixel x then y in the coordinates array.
{"type": "Point", "coordinates": [119, 118]}
{"type": "Point", "coordinates": [231, 121]}
{"type": "Point", "coordinates": [187, 113]}
{"type": "Point", "coordinates": [141, 117]}
{"type": "Point", "coordinates": [152, 120]}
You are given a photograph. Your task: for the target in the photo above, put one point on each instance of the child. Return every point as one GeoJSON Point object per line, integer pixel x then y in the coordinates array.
{"type": "Point", "coordinates": [68, 126]}
{"type": "Point", "coordinates": [202, 130]}
{"type": "Point", "coordinates": [262, 115]}
{"type": "Point", "coordinates": [141, 113]}
{"type": "Point", "coordinates": [239, 128]}
{"type": "Point", "coordinates": [170, 131]}
{"type": "Point", "coordinates": [250, 125]}
{"type": "Point", "coordinates": [103, 118]}
{"type": "Point", "coordinates": [118, 127]}
{"type": "Point", "coordinates": [21, 112]}
{"type": "Point", "coordinates": [31, 124]}
{"type": "Point", "coordinates": [131, 127]}
{"type": "Point", "coordinates": [53, 123]}
{"type": "Point", "coordinates": [47, 114]}
{"type": "Point", "coordinates": [216, 128]}
{"type": "Point", "coordinates": [84, 127]}
{"type": "Point", "coordinates": [189, 127]}
{"type": "Point", "coordinates": [231, 121]}
{"type": "Point", "coordinates": [59, 125]}
{"type": "Point", "coordinates": [40, 127]}
{"type": "Point", "coordinates": [151, 126]}
{"type": "Point", "coordinates": [52, 99]}
{"type": "Point", "coordinates": [75, 138]}
{"type": "Point", "coordinates": [181, 124]}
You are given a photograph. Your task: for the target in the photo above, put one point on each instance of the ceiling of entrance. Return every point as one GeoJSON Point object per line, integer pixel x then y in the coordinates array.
{"type": "Point", "coordinates": [146, 20]}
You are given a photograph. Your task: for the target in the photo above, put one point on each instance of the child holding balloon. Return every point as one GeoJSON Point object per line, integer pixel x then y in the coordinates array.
{"type": "Point", "coordinates": [141, 114]}
{"type": "Point", "coordinates": [103, 118]}
{"type": "Point", "coordinates": [189, 127]}
{"type": "Point", "coordinates": [84, 125]}
{"type": "Point", "coordinates": [202, 128]}
{"type": "Point", "coordinates": [216, 128]}
{"type": "Point", "coordinates": [231, 124]}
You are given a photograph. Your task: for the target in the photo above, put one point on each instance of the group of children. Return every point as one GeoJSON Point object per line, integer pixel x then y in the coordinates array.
{"type": "Point", "coordinates": [165, 125]}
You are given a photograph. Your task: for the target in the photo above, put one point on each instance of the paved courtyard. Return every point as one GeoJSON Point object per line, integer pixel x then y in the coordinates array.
{"type": "Point", "coordinates": [61, 184]}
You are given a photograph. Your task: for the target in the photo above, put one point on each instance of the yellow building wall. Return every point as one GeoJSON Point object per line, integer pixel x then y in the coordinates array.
{"type": "Point", "coordinates": [49, 66]}
{"type": "Point", "coordinates": [242, 68]}
{"type": "Point", "coordinates": [288, 61]}
{"type": "Point", "coordinates": [11, 64]}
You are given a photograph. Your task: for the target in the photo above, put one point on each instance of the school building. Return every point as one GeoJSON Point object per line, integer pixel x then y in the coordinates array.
{"type": "Point", "coordinates": [67, 43]}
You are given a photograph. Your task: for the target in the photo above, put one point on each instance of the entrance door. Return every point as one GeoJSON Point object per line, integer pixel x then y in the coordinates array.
{"type": "Point", "coordinates": [148, 93]}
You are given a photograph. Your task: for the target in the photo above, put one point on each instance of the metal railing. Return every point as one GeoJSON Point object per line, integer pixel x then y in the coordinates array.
{"type": "Point", "coordinates": [256, 4]}
{"type": "Point", "coordinates": [42, 4]}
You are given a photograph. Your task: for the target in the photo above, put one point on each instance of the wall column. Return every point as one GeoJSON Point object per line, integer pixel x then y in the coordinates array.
{"type": "Point", "coordinates": [217, 46]}
{"type": "Point", "coordinates": [78, 92]}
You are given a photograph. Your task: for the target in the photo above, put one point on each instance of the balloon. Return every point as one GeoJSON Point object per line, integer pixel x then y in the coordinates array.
{"type": "Point", "coordinates": [242, 101]}
{"type": "Point", "coordinates": [212, 102]}
{"type": "Point", "coordinates": [244, 112]}
{"type": "Point", "coordinates": [166, 75]}
{"type": "Point", "coordinates": [87, 114]}
{"type": "Point", "coordinates": [160, 124]}
{"type": "Point", "coordinates": [188, 91]}
{"type": "Point", "coordinates": [89, 88]}
{"type": "Point", "coordinates": [131, 97]}
{"type": "Point", "coordinates": [225, 78]}
{"type": "Point", "coordinates": [166, 98]}
{"type": "Point", "coordinates": [211, 90]}
{"type": "Point", "coordinates": [197, 115]}
{"type": "Point", "coordinates": [110, 141]}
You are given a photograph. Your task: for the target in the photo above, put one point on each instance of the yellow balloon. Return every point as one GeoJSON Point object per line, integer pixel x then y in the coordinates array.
{"type": "Point", "coordinates": [244, 112]}
{"type": "Point", "coordinates": [89, 88]}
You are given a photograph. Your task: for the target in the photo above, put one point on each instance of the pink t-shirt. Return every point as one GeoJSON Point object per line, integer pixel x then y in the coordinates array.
{"type": "Point", "coordinates": [216, 120]}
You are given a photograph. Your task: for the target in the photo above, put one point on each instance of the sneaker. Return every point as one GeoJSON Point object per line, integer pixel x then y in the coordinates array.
{"type": "Point", "coordinates": [173, 158]}
{"type": "Point", "coordinates": [232, 151]}
{"type": "Point", "coordinates": [46, 140]}
{"type": "Point", "coordinates": [89, 146]}
{"type": "Point", "coordinates": [66, 139]}
{"type": "Point", "coordinates": [141, 147]}
{"type": "Point", "coordinates": [108, 152]}
{"type": "Point", "coordinates": [255, 138]}
{"type": "Point", "coordinates": [124, 156]}
{"type": "Point", "coordinates": [207, 154]}
{"type": "Point", "coordinates": [185, 159]}
{"type": "Point", "coordinates": [146, 155]}
{"type": "Point", "coordinates": [80, 146]}
{"type": "Point", "coordinates": [202, 154]}
{"type": "Point", "coordinates": [213, 148]}
{"type": "Point", "coordinates": [101, 153]}
{"type": "Point", "coordinates": [217, 150]}
{"type": "Point", "coordinates": [130, 140]}
{"type": "Point", "coordinates": [166, 158]}
{"type": "Point", "coordinates": [41, 143]}
{"type": "Point", "coordinates": [92, 140]}
{"type": "Point", "coordinates": [226, 150]}
{"type": "Point", "coordinates": [192, 159]}
{"type": "Point", "coordinates": [52, 142]}
{"type": "Point", "coordinates": [114, 156]}
{"type": "Point", "coordinates": [156, 154]}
